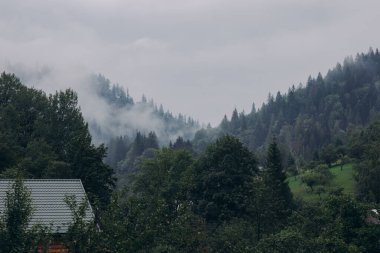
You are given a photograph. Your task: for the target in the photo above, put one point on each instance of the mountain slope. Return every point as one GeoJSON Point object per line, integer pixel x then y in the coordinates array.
{"type": "Point", "coordinates": [120, 115]}
{"type": "Point", "coordinates": [307, 118]}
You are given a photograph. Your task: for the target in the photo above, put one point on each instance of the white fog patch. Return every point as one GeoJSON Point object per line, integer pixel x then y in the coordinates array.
{"type": "Point", "coordinates": [105, 120]}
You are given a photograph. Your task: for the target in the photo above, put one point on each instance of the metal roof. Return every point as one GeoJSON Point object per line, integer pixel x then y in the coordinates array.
{"type": "Point", "coordinates": [49, 207]}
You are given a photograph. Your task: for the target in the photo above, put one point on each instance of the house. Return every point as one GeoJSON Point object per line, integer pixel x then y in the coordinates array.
{"type": "Point", "coordinates": [49, 206]}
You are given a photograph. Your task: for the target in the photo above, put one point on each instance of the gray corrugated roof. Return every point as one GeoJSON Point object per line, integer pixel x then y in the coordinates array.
{"type": "Point", "coordinates": [49, 207]}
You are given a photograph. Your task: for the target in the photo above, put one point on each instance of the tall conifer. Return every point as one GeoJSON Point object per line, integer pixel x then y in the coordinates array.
{"type": "Point", "coordinates": [277, 188]}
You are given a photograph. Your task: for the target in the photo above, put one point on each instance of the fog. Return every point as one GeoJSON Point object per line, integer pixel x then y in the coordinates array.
{"type": "Point", "coordinates": [105, 120]}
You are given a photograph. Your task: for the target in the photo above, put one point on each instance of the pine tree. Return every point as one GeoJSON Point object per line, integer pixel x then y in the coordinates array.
{"type": "Point", "coordinates": [253, 110]}
{"type": "Point", "coordinates": [243, 122]}
{"type": "Point", "coordinates": [224, 125]}
{"type": "Point", "coordinates": [151, 141]}
{"type": "Point", "coordinates": [235, 124]}
{"type": "Point", "coordinates": [277, 188]}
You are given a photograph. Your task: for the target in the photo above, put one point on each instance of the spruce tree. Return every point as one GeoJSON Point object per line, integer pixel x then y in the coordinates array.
{"type": "Point", "coordinates": [235, 124]}
{"type": "Point", "coordinates": [277, 188]}
{"type": "Point", "coordinates": [224, 125]}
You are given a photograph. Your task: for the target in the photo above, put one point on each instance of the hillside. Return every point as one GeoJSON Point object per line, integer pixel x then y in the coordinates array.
{"type": "Point", "coordinates": [122, 115]}
{"type": "Point", "coordinates": [307, 118]}
{"type": "Point", "coordinates": [133, 129]}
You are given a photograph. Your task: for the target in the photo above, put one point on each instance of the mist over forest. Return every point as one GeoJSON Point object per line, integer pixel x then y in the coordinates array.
{"type": "Point", "coordinates": [163, 183]}
{"type": "Point", "coordinates": [210, 126]}
{"type": "Point", "coordinates": [108, 108]}
{"type": "Point", "coordinates": [306, 120]}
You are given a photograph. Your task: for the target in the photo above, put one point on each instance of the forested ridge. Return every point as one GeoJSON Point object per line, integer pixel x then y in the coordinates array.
{"type": "Point", "coordinates": [309, 117]}
{"type": "Point", "coordinates": [218, 193]}
{"type": "Point", "coordinates": [126, 116]}
{"type": "Point", "coordinates": [134, 129]}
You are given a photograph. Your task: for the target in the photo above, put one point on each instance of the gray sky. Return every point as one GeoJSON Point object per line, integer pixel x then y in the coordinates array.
{"type": "Point", "coordinates": [202, 58]}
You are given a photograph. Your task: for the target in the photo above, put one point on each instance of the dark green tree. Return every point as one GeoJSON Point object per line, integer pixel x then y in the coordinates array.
{"type": "Point", "coordinates": [117, 149]}
{"type": "Point", "coordinates": [224, 125]}
{"type": "Point", "coordinates": [81, 234]}
{"type": "Point", "coordinates": [158, 211]}
{"type": "Point", "coordinates": [223, 178]}
{"type": "Point", "coordinates": [38, 159]}
{"type": "Point", "coordinates": [336, 224]}
{"type": "Point", "coordinates": [276, 189]}
{"type": "Point", "coordinates": [235, 122]}
{"type": "Point", "coordinates": [48, 137]}
{"type": "Point", "coordinates": [365, 149]}
{"type": "Point", "coordinates": [151, 141]}
{"type": "Point", "coordinates": [318, 177]}
{"type": "Point", "coordinates": [180, 143]}
{"type": "Point", "coordinates": [329, 154]}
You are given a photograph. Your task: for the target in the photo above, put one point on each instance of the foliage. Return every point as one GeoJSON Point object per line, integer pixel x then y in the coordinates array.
{"type": "Point", "coordinates": [236, 235]}
{"type": "Point", "coordinates": [319, 176]}
{"type": "Point", "coordinates": [80, 236]}
{"type": "Point", "coordinates": [365, 148]}
{"type": "Point", "coordinates": [286, 241]}
{"type": "Point", "coordinates": [16, 218]}
{"type": "Point", "coordinates": [223, 178]}
{"type": "Point", "coordinates": [278, 188]}
{"type": "Point", "coordinates": [314, 119]}
{"type": "Point", "coordinates": [155, 215]}
{"type": "Point", "coordinates": [342, 179]}
{"type": "Point", "coordinates": [46, 137]}
{"type": "Point", "coordinates": [16, 235]}
{"type": "Point", "coordinates": [125, 155]}
{"type": "Point", "coordinates": [337, 224]}
{"type": "Point", "coordinates": [328, 154]}
{"type": "Point", "coordinates": [167, 175]}
{"type": "Point", "coordinates": [180, 143]}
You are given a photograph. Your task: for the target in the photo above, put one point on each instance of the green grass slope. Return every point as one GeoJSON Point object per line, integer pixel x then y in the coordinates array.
{"type": "Point", "coordinates": [342, 179]}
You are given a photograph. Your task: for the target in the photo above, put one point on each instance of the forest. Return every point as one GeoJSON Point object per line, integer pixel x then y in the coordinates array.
{"type": "Point", "coordinates": [227, 190]}
{"type": "Point", "coordinates": [310, 117]}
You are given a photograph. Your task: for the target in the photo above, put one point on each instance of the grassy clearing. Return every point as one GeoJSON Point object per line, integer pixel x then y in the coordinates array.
{"type": "Point", "coordinates": [342, 178]}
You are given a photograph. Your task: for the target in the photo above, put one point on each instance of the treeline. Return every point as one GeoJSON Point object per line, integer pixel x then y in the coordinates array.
{"type": "Point", "coordinates": [326, 110]}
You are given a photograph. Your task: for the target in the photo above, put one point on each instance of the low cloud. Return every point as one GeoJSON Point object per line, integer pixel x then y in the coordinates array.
{"type": "Point", "coordinates": [105, 120]}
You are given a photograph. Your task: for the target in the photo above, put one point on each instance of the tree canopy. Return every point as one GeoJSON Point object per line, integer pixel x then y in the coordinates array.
{"type": "Point", "coordinates": [46, 137]}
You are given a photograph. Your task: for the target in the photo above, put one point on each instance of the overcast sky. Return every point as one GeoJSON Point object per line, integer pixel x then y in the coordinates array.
{"type": "Point", "coordinates": [202, 58]}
